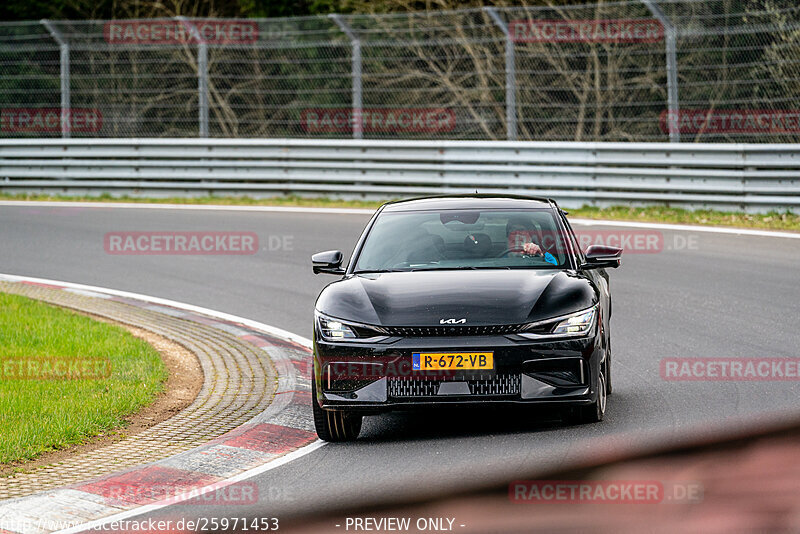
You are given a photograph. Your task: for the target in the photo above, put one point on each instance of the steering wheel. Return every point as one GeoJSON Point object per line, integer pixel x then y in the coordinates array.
{"type": "Point", "coordinates": [508, 251]}
{"type": "Point", "coordinates": [517, 249]}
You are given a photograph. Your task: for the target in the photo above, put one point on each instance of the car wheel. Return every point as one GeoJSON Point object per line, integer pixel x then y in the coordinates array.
{"type": "Point", "coordinates": [594, 412]}
{"type": "Point", "coordinates": [334, 425]}
{"type": "Point", "coordinates": [608, 371]}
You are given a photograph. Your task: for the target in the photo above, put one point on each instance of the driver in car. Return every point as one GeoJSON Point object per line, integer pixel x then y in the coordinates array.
{"type": "Point", "coordinates": [520, 232]}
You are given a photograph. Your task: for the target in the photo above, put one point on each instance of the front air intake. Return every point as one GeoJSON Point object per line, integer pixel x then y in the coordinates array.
{"type": "Point", "coordinates": [431, 331]}
{"type": "Point", "coordinates": [495, 386]}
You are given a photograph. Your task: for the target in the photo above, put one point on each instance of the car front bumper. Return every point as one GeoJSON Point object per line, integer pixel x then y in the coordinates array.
{"type": "Point", "coordinates": [378, 377]}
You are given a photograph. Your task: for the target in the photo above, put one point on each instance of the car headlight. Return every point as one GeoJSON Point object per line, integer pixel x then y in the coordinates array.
{"type": "Point", "coordinates": [576, 324]}
{"type": "Point", "coordinates": [573, 325]}
{"type": "Point", "coordinates": [334, 329]}
{"type": "Point", "coordinates": [337, 330]}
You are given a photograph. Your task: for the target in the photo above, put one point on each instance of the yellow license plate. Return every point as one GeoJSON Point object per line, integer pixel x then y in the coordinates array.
{"type": "Point", "coordinates": [452, 361]}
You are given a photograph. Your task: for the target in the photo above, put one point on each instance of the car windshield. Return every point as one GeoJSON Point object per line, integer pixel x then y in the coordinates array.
{"type": "Point", "coordinates": [463, 239]}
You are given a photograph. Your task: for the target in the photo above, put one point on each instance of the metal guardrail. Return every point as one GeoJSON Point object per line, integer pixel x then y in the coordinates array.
{"type": "Point", "coordinates": [746, 177]}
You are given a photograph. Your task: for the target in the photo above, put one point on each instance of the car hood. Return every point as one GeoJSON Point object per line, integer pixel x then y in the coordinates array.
{"type": "Point", "coordinates": [482, 297]}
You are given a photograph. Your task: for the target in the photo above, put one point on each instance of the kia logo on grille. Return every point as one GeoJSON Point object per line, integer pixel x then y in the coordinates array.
{"type": "Point", "coordinates": [452, 321]}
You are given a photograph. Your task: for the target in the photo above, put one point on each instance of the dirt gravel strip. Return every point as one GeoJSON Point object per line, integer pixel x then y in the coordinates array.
{"type": "Point", "coordinates": [253, 407]}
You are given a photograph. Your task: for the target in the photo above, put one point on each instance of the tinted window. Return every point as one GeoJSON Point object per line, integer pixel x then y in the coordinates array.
{"type": "Point", "coordinates": [450, 239]}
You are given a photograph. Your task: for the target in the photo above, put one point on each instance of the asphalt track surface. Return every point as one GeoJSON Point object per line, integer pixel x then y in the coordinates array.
{"type": "Point", "coordinates": [704, 295]}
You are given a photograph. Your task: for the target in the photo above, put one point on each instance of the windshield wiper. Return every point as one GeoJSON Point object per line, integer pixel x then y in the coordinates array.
{"type": "Point", "coordinates": [464, 268]}
{"type": "Point", "coordinates": [368, 271]}
{"type": "Point", "coordinates": [457, 268]}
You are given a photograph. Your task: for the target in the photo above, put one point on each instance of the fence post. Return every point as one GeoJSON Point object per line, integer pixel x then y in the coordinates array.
{"type": "Point", "coordinates": [355, 43]}
{"type": "Point", "coordinates": [63, 46]}
{"type": "Point", "coordinates": [670, 38]}
{"type": "Point", "coordinates": [511, 76]}
{"type": "Point", "coordinates": [202, 88]}
{"type": "Point", "coordinates": [202, 77]}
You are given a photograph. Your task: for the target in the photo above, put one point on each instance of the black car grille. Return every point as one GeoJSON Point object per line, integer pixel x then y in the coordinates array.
{"type": "Point", "coordinates": [426, 331]}
{"type": "Point", "coordinates": [497, 385]}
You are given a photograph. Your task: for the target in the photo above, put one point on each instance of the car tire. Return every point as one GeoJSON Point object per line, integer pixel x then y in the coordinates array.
{"type": "Point", "coordinates": [609, 389]}
{"type": "Point", "coordinates": [334, 425]}
{"type": "Point", "coordinates": [595, 412]}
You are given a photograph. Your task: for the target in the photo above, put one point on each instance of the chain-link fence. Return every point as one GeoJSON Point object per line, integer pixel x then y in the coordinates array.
{"type": "Point", "coordinates": [644, 70]}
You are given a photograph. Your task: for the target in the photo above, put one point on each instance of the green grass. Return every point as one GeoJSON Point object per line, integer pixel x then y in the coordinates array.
{"type": "Point", "coordinates": [39, 415]}
{"type": "Point", "coordinates": [219, 201]}
{"type": "Point", "coordinates": [769, 221]}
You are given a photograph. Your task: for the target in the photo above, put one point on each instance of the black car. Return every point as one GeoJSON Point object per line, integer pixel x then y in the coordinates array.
{"type": "Point", "coordinates": [462, 300]}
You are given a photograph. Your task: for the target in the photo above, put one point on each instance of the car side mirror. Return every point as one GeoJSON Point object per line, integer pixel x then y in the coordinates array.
{"type": "Point", "coordinates": [329, 262]}
{"type": "Point", "coordinates": [602, 257]}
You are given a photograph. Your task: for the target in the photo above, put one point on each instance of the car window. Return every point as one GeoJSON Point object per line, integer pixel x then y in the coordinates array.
{"type": "Point", "coordinates": [468, 239]}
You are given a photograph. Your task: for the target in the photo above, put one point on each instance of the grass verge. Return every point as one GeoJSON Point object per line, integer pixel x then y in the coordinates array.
{"type": "Point", "coordinates": [43, 406]}
{"type": "Point", "coordinates": [765, 221]}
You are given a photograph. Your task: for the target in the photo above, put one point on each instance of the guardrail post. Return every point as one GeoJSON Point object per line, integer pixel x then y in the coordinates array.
{"type": "Point", "coordinates": [202, 78]}
{"type": "Point", "coordinates": [63, 46]}
{"type": "Point", "coordinates": [511, 75]}
{"type": "Point", "coordinates": [355, 43]}
{"type": "Point", "coordinates": [670, 38]}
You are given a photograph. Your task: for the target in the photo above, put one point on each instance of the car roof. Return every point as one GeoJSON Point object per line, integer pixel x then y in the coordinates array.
{"type": "Point", "coordinates": [469, 201]}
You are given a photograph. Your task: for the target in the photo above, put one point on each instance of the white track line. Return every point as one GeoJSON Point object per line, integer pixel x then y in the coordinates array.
{"type": "Point", "coordinates": [356, 211]}
{"type": "Point", "coordinates": [686, 228]}
{"type": "Point", "coordinates": [203, 207]}
{"type": "Point", "coordinates": [271, 330]}
{"type": "Point", "coordinates": [97, 524]}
